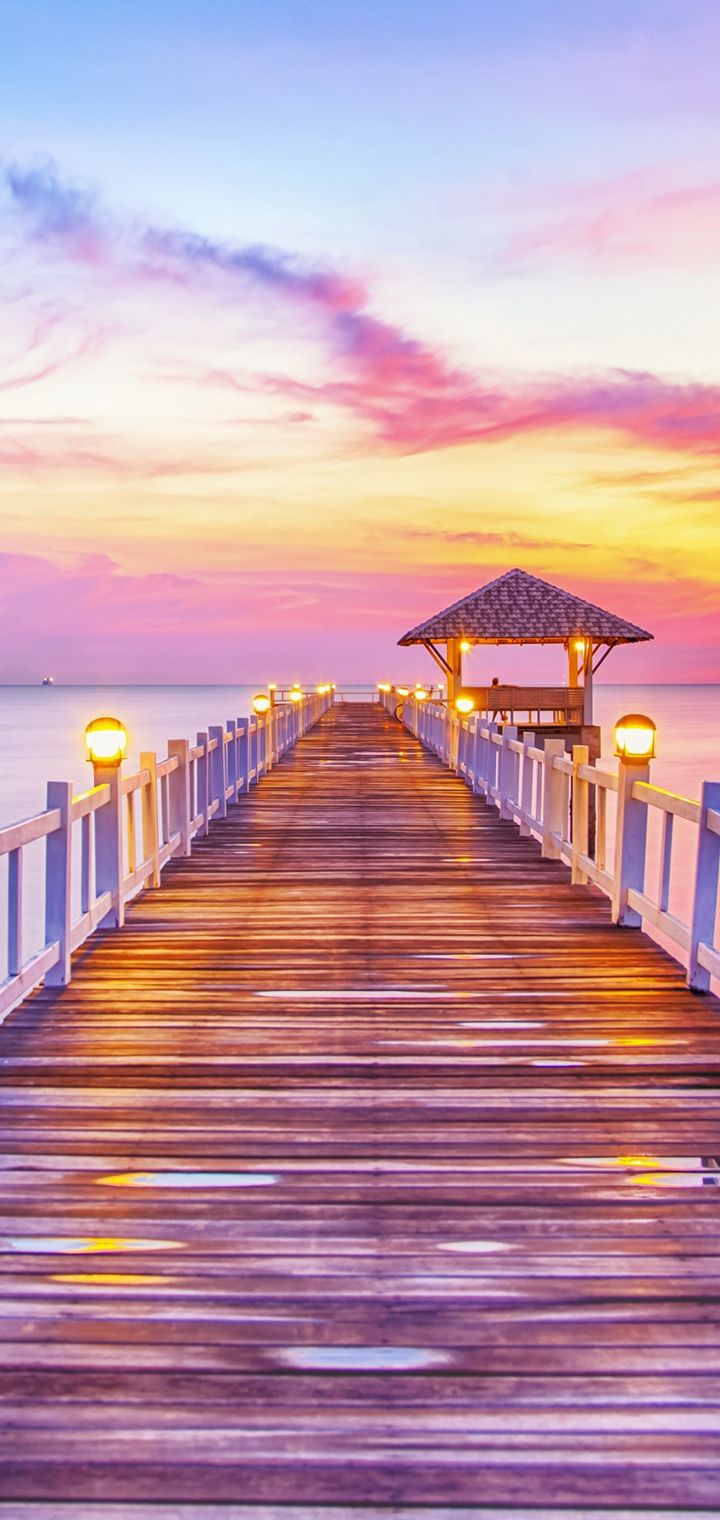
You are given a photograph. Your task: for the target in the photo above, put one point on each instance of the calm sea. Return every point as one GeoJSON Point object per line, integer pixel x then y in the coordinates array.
{"type": "Point", "coordinates": [41, 739]}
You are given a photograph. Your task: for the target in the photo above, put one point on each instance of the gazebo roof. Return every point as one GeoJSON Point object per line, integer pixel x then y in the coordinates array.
{"type": "Point", "coordinates": [518, 608]}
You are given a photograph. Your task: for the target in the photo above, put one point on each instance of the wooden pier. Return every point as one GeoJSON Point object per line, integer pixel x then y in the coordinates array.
{"type": "Point", "coordinates": [369, 1170]}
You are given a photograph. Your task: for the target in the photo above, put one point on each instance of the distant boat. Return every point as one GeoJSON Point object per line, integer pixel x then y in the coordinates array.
{"type": "Point", "coordinates": [48, 680]}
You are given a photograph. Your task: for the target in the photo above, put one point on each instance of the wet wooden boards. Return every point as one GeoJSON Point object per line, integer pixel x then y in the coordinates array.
{"type": "Point", "coordinates": [368, 1171]}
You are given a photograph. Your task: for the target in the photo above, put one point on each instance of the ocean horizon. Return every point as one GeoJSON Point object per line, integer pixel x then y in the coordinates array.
{"type": "Point", "coordinates": [42, 739]}
{"type": "Point", "coordinates": [42, 728]}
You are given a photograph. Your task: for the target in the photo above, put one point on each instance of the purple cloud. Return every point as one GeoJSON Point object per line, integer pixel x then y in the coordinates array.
{"type": "Point", "coordinates": [408, 396]}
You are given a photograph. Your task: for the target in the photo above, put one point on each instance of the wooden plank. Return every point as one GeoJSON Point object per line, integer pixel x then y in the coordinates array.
{"type": "Point", "coordinates": [369, 1170]}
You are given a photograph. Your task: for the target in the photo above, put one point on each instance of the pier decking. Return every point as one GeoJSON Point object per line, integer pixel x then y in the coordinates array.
{"type": "Point", "coordinates": [369, 1170]}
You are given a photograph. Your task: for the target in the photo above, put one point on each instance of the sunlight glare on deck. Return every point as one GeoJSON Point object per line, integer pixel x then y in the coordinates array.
{"type": "Point", "coordinates": [189, 1179]}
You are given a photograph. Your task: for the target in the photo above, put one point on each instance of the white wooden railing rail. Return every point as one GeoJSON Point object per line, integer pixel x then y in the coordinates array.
{"type": "Point", "coordinates": [547, 793]}
{"type": "Point", "coordinates": [130, 827]}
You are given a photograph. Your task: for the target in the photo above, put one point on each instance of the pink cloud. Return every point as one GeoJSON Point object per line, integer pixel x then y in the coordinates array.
{"type": "Point", "coordinates": [635, 218]}
{"type": "Point", "coordinates": [408, 397]}
{"type": "Point", "coordinates": [426, 406]}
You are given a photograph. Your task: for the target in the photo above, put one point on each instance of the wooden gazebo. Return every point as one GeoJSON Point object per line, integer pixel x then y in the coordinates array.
{"type": "Point", "coordinates": [518, 608]}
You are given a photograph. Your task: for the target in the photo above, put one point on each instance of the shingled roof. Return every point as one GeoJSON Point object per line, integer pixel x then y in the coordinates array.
{"type": "Point", "coordinates": [518, 608]}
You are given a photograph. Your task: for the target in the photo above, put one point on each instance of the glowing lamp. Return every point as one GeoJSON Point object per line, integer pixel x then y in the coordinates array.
{"type": "Point", "coordinates": [421, 695]}
{"type": "Point", "coordinates": [262, 703]}
{"type": "Point", "coordinates": [464, 704]}
{"type": "Point", "coordinates": [580, 646]}
{"type": "Point", "coordinates": [635, 739]}
{"type": "Point", "coordinates": [106, 741]}
{"type": "Point", "coordinates": [465, 645]}
{"type": "Point", "coordinates": [296, 695]}
{"type": "Point", "coordinates": [403, 691]}
{"type": "Point", "coordinates": [384, 686]}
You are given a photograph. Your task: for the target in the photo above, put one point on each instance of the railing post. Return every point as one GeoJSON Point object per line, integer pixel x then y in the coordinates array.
{"type": "Point", "coordinates": [471, 754]}
{"type": "Point", "coordinates": [477, 754]}
{"type": "Point", "coordinates": [272, 736]}
{"type": "Point", "coordinates": [480, 758]}
{"type": "Point", "coordinates": [460, 756]}
{"type": "Point", "coordinates": [453, 741]}
{"type": "Point", "coordinates": [109, 867]}
{"type": "Point", "coordinates": [232, 765]}
{"type": "Point", "coordinates": [243, 754]}
{"type": "Point", "coordinates": [179, 792]}
{"type": "Point", "coordinates": [149, 807]}
{"type": "Point", "coordinates": [494, 760]}
{"type": "Point", "coordinates": [553, 798]}
{"type": "Point", "coordinates": [202, 782]}
{"type": "Point", "coordinates": [15, 912]}
{"type": "Point", "coordinates": [705, 896]}
{"type": "Point", "coordinates": [58, 861]}
{"type": "Point", "coordinates": [218, 770]}
{"type": "Point", "coordinates": [507, 781]}
{"type": "Point", "coordinates": [580, 812]}
{"type": "Point", "coordinates": [526, 784]}
{"type": "Point", "coordinates": [630, 842]}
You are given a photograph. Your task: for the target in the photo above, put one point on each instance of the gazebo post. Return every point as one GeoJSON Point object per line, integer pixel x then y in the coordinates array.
{"type": "Point", "coordinates": [573, 663]}
{"type": "Point", "coordinates": [588, 683]}
{"type": "Point", "coordinates": [454, 659]}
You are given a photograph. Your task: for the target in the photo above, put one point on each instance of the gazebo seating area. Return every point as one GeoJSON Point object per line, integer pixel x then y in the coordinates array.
{"type": "Point", "coordinates": [543, 705]}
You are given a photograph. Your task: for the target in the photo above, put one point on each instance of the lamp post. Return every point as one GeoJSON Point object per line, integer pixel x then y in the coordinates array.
{"type": "Point", "coordinates": [106, 743]}
{"type": "Point", "coordinates": [635, 748]}
{"type": "Point", "coordinates": [262, 703]}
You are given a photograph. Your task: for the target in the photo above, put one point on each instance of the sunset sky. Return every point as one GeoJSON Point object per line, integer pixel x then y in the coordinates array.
{"type": "Point", "coordinates": [319, 313]}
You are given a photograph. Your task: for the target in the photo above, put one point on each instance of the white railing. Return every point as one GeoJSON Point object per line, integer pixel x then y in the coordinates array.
{"type": "Point", "coordinates": [130, 827]}
{"type": "Point", "coordinates": [562, 801]}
